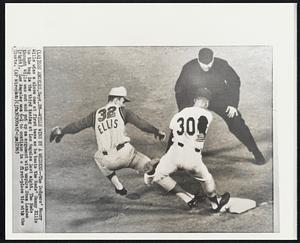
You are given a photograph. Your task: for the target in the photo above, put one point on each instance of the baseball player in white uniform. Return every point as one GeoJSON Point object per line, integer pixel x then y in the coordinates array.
{"type": "Point", "coordinates": [189, 128]}
{"type": "Point", "coordinates": [114, 149]}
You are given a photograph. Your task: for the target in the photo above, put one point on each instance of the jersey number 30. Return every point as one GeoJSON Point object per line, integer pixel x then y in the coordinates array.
{"type": "Point", "coordinates": [189, 125]}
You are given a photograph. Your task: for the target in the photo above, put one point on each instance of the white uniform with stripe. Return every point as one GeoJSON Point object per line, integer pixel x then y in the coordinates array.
{"type": "Point", "coordinates": [110, 134]}
{"type": "Point", "coordinates": [189, 128]}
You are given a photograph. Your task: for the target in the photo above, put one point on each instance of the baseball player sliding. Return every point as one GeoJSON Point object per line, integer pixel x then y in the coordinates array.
{"type": "Point", "coordinates": [188, 131]}
{"type": "Point", "coordinates": [114, 149]}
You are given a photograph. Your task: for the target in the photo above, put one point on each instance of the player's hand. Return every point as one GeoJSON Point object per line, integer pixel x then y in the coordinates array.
{"type": "Point", "coordinates": [56, 134]}
{"type": "Point", "coordinates": [160, 135]}
{"type": "Point", "coordinates": [231, 111]}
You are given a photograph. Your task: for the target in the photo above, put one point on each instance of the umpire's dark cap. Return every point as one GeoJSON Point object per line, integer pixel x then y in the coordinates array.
{"type": "Point", "coordinates": [205, 55]}
{"type": "Point", "coordinates": [203, 92]}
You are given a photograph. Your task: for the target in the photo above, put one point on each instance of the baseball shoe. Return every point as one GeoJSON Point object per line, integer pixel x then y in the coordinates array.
{"type": "Point", "coordinates": [219, 201]}
{"type": "Point", "coordinates": [121, 192]}
{"type": "Point", "coordinates": [259, 158]}
{"type": "Point", "coordinates": [195, 201]}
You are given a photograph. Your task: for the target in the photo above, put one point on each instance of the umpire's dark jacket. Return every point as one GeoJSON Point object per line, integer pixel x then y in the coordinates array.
{"type": "Point", "coordinates": [221, 80]}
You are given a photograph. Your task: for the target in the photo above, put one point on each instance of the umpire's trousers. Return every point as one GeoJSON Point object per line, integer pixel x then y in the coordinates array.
{"type": "Point", "coordinates": [237, 126]}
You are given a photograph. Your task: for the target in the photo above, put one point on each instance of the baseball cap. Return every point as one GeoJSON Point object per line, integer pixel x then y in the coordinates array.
{"type": "Point", "coordinates": [205, 55]}
{"type": "Point", "coordinates": [120, 92]}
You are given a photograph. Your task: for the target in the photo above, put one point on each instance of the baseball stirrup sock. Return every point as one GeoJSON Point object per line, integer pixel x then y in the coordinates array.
{"type": "Point", "coordinates": [167, 183]}
{"type": "Point", "coordinates": [214, 202]}
{"type": "Point", "coordinates": [181, 193]}
{"type": "Point", "coordinates": [185, 196]}
{"type": "Point", "coordinates": [111, 175]}
{"type": "Point", "coordinates": [115, 181]}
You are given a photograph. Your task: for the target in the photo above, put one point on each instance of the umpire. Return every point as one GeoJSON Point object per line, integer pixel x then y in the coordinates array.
{"type": "Point", "coordinates": [218, 76]}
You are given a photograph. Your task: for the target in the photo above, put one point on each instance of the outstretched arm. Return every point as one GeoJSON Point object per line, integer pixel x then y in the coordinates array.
{"type": "Point", "coordinates": [79, 125]}
{"type": "Point", "coordinates": [57, 133]}
{"type": "Point", "coordinates": [143, 125]}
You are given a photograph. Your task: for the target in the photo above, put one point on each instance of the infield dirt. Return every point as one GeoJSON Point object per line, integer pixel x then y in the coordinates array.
{"type": "Point", "coordinates": [80, 199]}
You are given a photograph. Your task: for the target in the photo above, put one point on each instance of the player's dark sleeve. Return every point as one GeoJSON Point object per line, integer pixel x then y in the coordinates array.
{"type": "Point", "coordinates": [234, 83]}
{"type": "Point", "coordinates": [181, 89]}
{"type": "Point", "coordinates": [131, 117]}
{"type": "Point", "coordinates": [79, 125]}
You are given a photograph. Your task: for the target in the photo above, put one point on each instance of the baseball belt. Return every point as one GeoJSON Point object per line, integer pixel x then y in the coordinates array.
{"type": "Point", "coordinates": [118, 147]}
{"type": "Point", "coordinates": [182, 145]}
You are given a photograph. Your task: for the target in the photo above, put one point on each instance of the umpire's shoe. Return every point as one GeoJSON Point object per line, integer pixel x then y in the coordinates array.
{"type": "Point", "coordinates": [219, 201]}
{"type": "Point", "coordinates": [121, 192]}
{"type": "Point", "coordinates": [195, 201]}
{"type": "Point", "coordinates": [259, 158]}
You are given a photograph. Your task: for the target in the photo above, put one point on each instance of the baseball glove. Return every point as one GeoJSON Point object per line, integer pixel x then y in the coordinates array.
{"type": "Point", "coordinates": [56, 134]}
